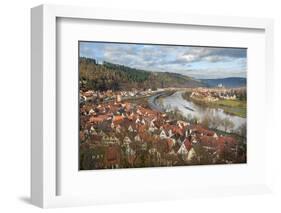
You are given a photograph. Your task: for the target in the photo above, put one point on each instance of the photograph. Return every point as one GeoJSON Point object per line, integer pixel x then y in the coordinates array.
{"type": "Point", "coordinates": [161, 105]}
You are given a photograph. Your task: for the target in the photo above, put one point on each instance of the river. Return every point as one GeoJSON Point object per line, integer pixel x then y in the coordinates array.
{"type": "Point", "coordinates": [188, 108]}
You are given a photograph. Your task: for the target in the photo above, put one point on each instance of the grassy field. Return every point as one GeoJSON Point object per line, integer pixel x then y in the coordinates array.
{"type": "Point", "coordinates": [234, 107]}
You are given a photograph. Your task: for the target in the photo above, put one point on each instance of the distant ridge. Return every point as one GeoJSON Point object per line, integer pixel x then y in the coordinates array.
{"type": "Point", "coordinates": [226, 82]}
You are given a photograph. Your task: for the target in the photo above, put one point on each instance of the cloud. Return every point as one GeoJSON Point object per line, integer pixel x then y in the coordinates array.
{"type": "Point", "coordinates": [211, 54]}
{"type": "Point", "coordinates": [198, 62]}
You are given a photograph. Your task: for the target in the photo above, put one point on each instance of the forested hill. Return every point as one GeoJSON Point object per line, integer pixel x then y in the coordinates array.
{"type": "Point", "coordinates": [118, 77]}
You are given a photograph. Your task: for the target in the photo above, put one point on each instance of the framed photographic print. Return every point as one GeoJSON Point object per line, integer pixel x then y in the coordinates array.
{"type": "Point", "coordinates": [152, 105]}
{"type": "Point", "coordinates": [149, 106]}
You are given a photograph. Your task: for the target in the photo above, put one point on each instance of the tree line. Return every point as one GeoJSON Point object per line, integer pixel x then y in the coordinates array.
{"type": "Point", "coordinates": [109, 76]}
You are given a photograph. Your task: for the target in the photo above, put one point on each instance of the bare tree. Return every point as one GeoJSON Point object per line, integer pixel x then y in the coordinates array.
{"type": "Point", "coordinates": [211, 121]}
{"type": "Point", "coordinates": [242, 130]}
{"type": "Point", "coordinates": [216, 122]}
{"type": "Point", "coordinates": [207, 120]}
{"type": "Point", "coordinates": [227, 124]}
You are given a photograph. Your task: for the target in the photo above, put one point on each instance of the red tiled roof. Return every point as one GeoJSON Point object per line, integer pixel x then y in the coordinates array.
{"type": "Point", "coordinates": [200, 130]}
{"type": "Point", "coordinates": [226, 140]}
{"type": "Point", "coordinates": [147, 111]}
{"type": "Point", "coordinates": [117, 118]}
{"type": "Point", "coordinates": [187, 144]}
{"type": "Point", "coordinates": [112, 154]}
{"type": "Point", "coordinates": [170, 143]}
{"type": "Point", "coordinates": [177, 130]}
{"type": "Point", "coordinates": [98, 119]}
{"type": "Point", "coordinates": [141, 128]}
{"type": "Point", "coordinates": [208, 141]}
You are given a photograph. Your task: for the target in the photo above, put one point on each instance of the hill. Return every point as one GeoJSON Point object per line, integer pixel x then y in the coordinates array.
{"type": "Point", "coordinates": [226, 82]}
{"type": "Point", "coordinates": [119, 77]}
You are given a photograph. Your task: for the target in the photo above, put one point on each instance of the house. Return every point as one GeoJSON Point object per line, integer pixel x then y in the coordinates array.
{"type": "Point", "coordinates": [208, 142]}
{"type": "Point", "coordinates": [97, 158]}
{"type": "Point", "coordinates": [182, 124]}
{"type": "Point", "coordinates": [130, 128]}
{"type": "Point", "coordinates": [130, 155]}
{"type": "Point", "coordinates": [92, 112]}
{"type": "Point", "coordinates": [171, 143]}
{"type": "Point", "coordinates": [95, 139]}
{"type": "Point", "coordinates": [194, 140]}
{"type": "Point", "coordinates": [127, 140]}
{"type": "Point", "coordinates": [118, 129]}
{"type": "Point", "coordinates": [112, 157]}
{"type": "Point", "coordinates": [102, 134]}
{"type": "Point", "coordinates": [139, 112]}
{"type": "Point", "coordinates": [182, 150]}
{"type": "Point", "coordinates": [154, 156]}
{"type": "Point", "coordinates": [179, 141]}
{"type": "Point", "coordinates": [89, 93]}
{"type": "Point", "coordinates": [191, 156]}
{"type": "Point", "coordinates": [117, 119]}
{"type": "Point", "coordinates": [152, 126]}
{"type": "Point", "coordinates": [114, 140]}
{"type": "Point", "coordinates": [151, 129]}
{"type": "Point", "coordinates": [118, 98]}
{"type": "Point", "coordinates": [187, 144]}
{"type": "Point", "coordinates": [170, 159]}
{"type": "Point", "coordinates": [152, 151]}
{"type": "Point", "coordinates": [141, 128]}
{"type": "Point", "coordinates": [137, 138]}
{"type": "Point", "coordinates": [93, 131]}
{"type": "Point", "coordinates": [188, 132]}
{"type": "Point", "coordinates": [105, 138]}
{"type": "Point", "coordinates": [228, 144]}
{"type": "Point", "coordinates": [178, 132]}
{"type": "Point", "coordinates": [215, 135]}
{"type": "Point", "coordinates": [131, 116]}
{"type": "Point", "coordinates": [208, 132]}
{"type": "Point", "coordinates": [138, 121]}
{"type": "Point", "coordinates": [98, 119]}
{"type": "Point", "coordinates": [170, 133]}
{"type": "Point", "coordinates": [163, 134]}
{"type": "Point", "coordinates": [144, 146]}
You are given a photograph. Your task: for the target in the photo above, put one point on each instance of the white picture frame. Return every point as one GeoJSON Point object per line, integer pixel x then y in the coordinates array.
{"type": "Point", "coordinates": [44, 169]}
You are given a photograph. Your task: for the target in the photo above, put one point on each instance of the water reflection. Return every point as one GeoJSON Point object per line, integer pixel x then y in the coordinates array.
{"type": "Point", "coordinates": [190, 109]}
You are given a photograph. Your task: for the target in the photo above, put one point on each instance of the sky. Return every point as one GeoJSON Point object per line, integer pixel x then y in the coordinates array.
{"type": "Point", "coordinates": [194, 61]}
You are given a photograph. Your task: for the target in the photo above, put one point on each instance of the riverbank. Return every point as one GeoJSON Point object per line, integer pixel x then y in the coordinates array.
{"type": "Point", "coordinates": [152, 100]}
{"type": "Point", "coordinates": [155, 102]}
{"type": "Point", "coordinates": [231, 107]}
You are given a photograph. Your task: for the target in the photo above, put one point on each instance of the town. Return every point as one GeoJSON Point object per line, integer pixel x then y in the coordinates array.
{"type": "Point", "coordinates": [215, 94]}
{"type": "Point", "coordinates": [232, 101]}
{"type": "Point", "coordinates": [120, 130]}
